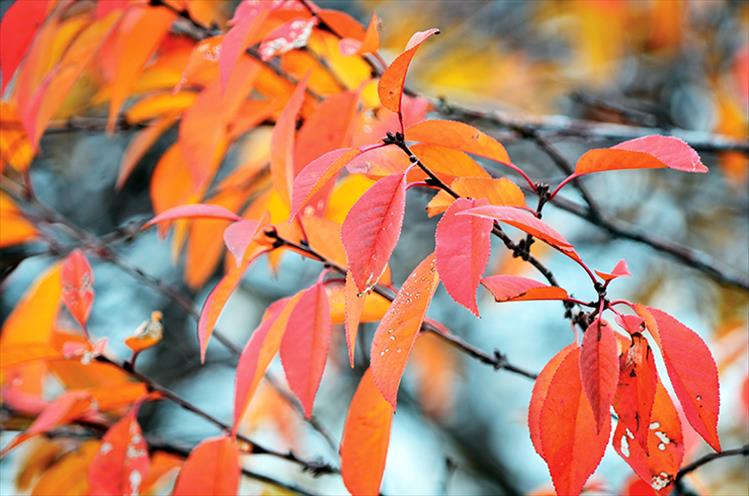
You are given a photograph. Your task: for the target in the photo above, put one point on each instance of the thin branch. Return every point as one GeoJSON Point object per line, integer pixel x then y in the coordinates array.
{"type": "Point", "coordinates": [687, 469]}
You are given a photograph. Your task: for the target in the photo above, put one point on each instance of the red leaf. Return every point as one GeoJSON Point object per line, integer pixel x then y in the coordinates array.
{"type": "Point", "coordinates": [238, 236]}
{"type": "Point", "coordinates": [638, 379]}
{"type": "Point", "coordinates": [659, 464]}
{"type": "Point", "coordinates": [246, 23]}
{"type": "Point", "coordinates": [218, 297]}
{"type": "Point", "coordinates": [366, 435]}
{"type": "Point", "coordinates": [353, 307]}
{"type": "Point", "coordinates": [397, 332]}
{"type": "Point", "coordinates": [462, 252]}
{"type": "Point", "coordinates": [692, 371]}
{"type": "Point", "coordinates": [304, 348]}
{"type": "Point", "coordinates": [122, 462]}
{"type": "Point", "coordinates": [540, 391]}
{"type": "Point", "coordinates": [372, 228]}
{"type": "Point", "coordinates": [68, 407]}
{"type": "Point", "coordinates": [287, 37]}
{"type": "Point", "coordinates": [196, 211]}
{"type": "Point", "coordinates": [17, 30]}
{"type": "Point", "coordinates": [634, 486]}
{"type": "Point", "coordinates": [78, 286]}
{"type": "Point", "coordinates": [454, 134]}
{"type": "Point", "coordinates": [258, 353]}
{"type": "Point", "coordinates": [571, 444]}
{"type": "Point", "coordinates": [648, 152]}
{"type": "Point", "coordinates": [392, 81]}
{"type": "Point", "coordinates": [318, 174]}
{"type": "Point", "coordinates": [620, 270]}
{"type": "Point", "coordinates": [599, 368]}
{"type": "Point", "coordinates": [523, 220]}
{"type": "Point", "coordinates": [282, 144]}
{"type": "Point", "coordinates": [212, 468]}
{"type": "Point", "coordinates": [516, 288]}
{"type": "Point", "coordinates": [630, 323]}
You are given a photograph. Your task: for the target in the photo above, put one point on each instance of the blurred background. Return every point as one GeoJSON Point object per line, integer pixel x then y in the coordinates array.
{"type": "Point", "coordinates": [460, 427]}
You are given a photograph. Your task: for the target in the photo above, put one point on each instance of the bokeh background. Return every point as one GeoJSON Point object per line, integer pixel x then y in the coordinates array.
{"type": "Point", "coordinates": [461, 427]}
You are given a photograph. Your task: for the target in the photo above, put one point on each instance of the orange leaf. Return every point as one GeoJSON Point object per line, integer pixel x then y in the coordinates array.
{"type": "Point", "coordinates": [258, 353]}
{"type": "Point", "coordinates": [620, 270]}
{"type": "Point", "coordinates": [138, 34]}
{"type": "Point", "coordinates": [462, 251]}
{"type": "Point", "coordinates": [66, 408]}
{"type": "Point", "coordinates": [304, 347]}
{"type": "Point", "coordinates": [138, 147]}
{"type": "Point", "coordinates": [77, 286]}
{"type": "Point", "coordinates": [282, 144]}
{"type": "Point", "coordinates": [318, 174]}
{"type": "Point", "coordinates": [397, 332]}
{"type": "Point", "coordinates": [219, 295]}
{"type": "Point", "coordinates": [353, 306]}
{"type": "Point", "coordinates": [599, 366]}
{"type": "Point", "coordinates": [525, 221]}
{"type": "Point", "coordinates": [392, 81]}
{"type": "Point", "coordinates": [33, 318]}
{"type": "Point", "coordinates": [571, 445]}
{"type": "Point", "coordinates": [196, 211]}
{"type": "Point", "coordinates": [372, 228]}
{"type": "Point", "coordinates": [366, 435]}
{"type": "Point", "coordinates": [148, 334]}
{"type": "Point", "coordinates": [212, 468]}
{"type": "Point", "coordinates": [16, 229]}
{"type": "Point", "coordinates": [638, 379]}
{"type": "Point", "coordinates": [122, 461]}
{"type": "Point", "coordinates": [692, 371]}
{"type": "Point", "coordinates": [540, 392]}
{"type": "Point", "coordinates": [659, 464]}
{"type": "Point", "coordinates": [499, 191]}
{"type": "Point", "coordinates": [648, 152]}
{"type": "Point", "coordinates": [516, 288]}
{"type": "Point", "coordinates": [454, 134]}
{"type": "Point", "coordinates": [448, 162]}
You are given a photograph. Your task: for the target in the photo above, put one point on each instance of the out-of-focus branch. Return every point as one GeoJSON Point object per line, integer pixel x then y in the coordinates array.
{"type": "Point", "coordinates": [679, 488]}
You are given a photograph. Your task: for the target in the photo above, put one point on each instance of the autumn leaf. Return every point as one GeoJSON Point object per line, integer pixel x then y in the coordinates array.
{"type": "Point", "coordinates": [139, 146]}
{"type": "Point", "coordinates": [538, 396]}
{"type": "Point", "coordinates": [318, 174]}
{"type": "Point", "coordinates": [620, 270]}
{"type": "Point", "coordinates": [392, 81]}
{"type": "Point", "coordinates": [78, 286]}
{"type": "Point", "coordinates": [122, 461]}
{"type": "Point", "coordinates": [245, 25]}
{"type": "Point", "coordinates": [635, 393]}
{"type": "Point", "coordinates": [692, 371]}
{"type": "Point", "coordinates": [286, 37]}
{"type": "Point", "coordinates": [282, 144]}
{"type": "Point", "coordinates": [16, 229]}
{"type": "Point", "coordinates": [257, 354]}
{"type": "Point", "coordinates": [304, 347]}
{"type": "Point", "coordinates": [212, 468]}
{"type": "Point", "coordinates": [397, 332]}
{"type": "Point", "coordinates": [462, 251]}
{"type": "Point", "coordinates": [458, 135]}
{"type": "Point", "coordinates": [372, 228]}
{"type": "Point", "coordinates": [238, 236]}
{"type": "Point", "coordinates": [219, 295]}
{"type": "Point", "coordinates": [647, 152]}
{"type": "Point", "coordinates": [68, 407]}
{"type": "Point", "coordinates": [516, 288]}
{"type": "Point", "coordinates": [523, 220]}
{"type": "Point", "coordinates": [599, 366]}
{"type": "Point", "coordinates": [19, 25]}
{"type": "Point", "coordinates": [572, 446]}
{"type": "Point", "coordinates": [499, 191]}
{"type": "Point", "coordinates": [366, 435]}
{"type": "Point", "coordinates": [196, 211]}
{"type": "Point", "coordinates": [659, 464]}
{"type": "Point", "coordinates": [353, 306]}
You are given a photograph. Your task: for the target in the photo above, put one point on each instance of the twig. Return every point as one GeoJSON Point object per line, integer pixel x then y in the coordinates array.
{"type": "Point", "coordinates": [687, 469]}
